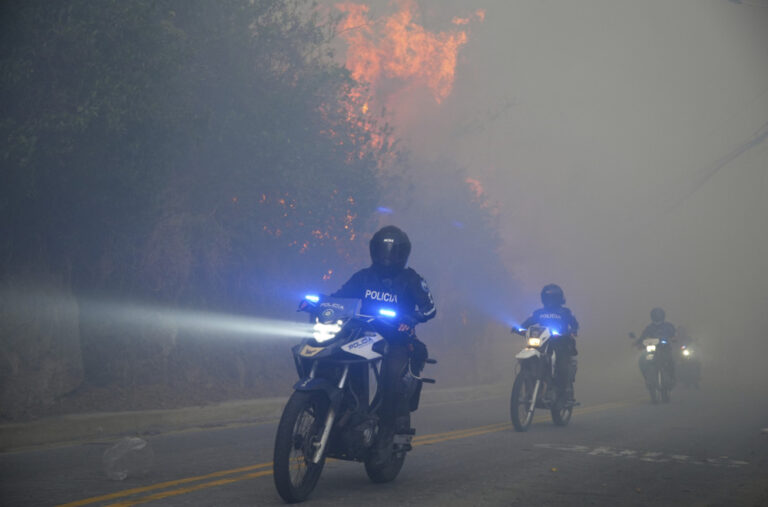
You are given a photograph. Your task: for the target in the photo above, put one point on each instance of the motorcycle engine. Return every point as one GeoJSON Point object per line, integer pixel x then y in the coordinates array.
{"type": "Point", "coordinates": [360, 435]}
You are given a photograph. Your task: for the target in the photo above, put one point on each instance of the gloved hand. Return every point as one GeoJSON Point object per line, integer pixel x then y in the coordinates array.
{"type": "Point", "coordinates": [407, 326]}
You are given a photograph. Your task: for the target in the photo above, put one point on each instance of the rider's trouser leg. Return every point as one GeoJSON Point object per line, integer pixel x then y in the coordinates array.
{"type": "Point", "coordinates": [394, 403]}
{"type": "Point", "coordinates": [563, 352]}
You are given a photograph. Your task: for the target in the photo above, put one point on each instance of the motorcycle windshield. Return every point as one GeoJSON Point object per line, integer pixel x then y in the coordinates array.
{"type": "Point", "coordinates": [336, 309]}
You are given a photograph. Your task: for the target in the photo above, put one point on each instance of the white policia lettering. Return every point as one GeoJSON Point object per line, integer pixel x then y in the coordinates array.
{"type": "Point", "coordinates": [380, 296]}
{"type": "Point", "coordinates": [361, 342]}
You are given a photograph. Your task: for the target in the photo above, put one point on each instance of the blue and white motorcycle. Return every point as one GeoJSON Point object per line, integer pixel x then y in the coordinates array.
{"type": "Point", "coordinates": [534, 384]}
{"type": "Point", "coordinates": [333, 411]}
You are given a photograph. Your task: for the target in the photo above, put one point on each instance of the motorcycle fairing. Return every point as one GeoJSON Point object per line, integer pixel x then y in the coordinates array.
{"type": "Point", "coordinates": [363, 346]}
{"type": "Point", "coordinates": [308, 350]}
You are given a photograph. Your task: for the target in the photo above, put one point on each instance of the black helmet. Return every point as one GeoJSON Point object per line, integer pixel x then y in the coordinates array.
{"type": "Point", "coordinates": [552, 295]}
{"type": "Point", "coordinates": [390, 248]}
{"type": "Point", "coordinates": [658, 315]}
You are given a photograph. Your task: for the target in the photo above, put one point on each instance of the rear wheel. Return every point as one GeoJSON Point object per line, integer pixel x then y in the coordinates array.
{"type": "Point", "coordinates": [298, 435]}
{"type": "Point", "coordinates": [387, 470]}
{"type": "Point", "coordinates": [521, 403]}
{"type": "Point", "coordinates": [562, 410]}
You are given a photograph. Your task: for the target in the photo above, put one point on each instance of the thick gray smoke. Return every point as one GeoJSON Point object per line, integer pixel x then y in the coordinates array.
{"type": "Point", "coordinates": [625, 145]}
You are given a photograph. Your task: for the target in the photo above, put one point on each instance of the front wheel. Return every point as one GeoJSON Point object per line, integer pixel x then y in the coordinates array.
{"type": "Point", "coordinates": [652, 383]}
{"type": "Point", "coordinates": [664, 388]}
{"type": "Point", "coordinates": [298, 436]}
{"type": "Point", "coordinates": [522, 402]}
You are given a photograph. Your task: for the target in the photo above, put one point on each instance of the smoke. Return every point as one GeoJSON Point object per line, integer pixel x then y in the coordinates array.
{"type": "Point", "coordinates": [622, 147]}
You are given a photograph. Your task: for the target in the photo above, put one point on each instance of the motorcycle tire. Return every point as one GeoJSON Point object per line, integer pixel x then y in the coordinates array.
{"type": "Point", "coordinates": [664, 388]}
{"type": "Point", "coordinates": [520, 402]}
{"type": "Point", "coordinates": [387, 471]}
{"type": "Point", "coordinates": [300, 427]}
{"type": "Point", "coordinates": [652, 383]}
{"type": "Point", "coordinates": [561, 412]}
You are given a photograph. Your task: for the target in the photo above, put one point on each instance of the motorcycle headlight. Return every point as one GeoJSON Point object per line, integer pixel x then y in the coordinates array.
{"type": "Point", "coordinates": [324, 332]}
{"type": "Point", "coordinates": [650, 348]}
{"type": "Point", "coordinates": [534, 342]}
{"type": "Point", "coordinates": [686, 352]}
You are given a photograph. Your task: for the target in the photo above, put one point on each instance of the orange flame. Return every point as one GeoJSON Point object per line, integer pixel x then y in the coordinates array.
{"type": "Point", "coordinates": [475, 187]}
{"type": "Point", "coordinates": [481, 196]}
{"type": "Point", "coordinates": [398, 47]}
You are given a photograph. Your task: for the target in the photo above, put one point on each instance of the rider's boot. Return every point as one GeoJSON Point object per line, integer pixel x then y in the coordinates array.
{"type": "Point", "coordinates": [569, 394]}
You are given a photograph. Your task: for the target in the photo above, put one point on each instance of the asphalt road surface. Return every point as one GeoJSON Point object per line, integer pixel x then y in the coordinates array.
{"type": "Point", "coordinates": [704, 448]}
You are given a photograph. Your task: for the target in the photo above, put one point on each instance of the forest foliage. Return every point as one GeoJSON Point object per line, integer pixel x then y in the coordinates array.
{"type": "Point", "coordinates": [189, 153]}
{"type": "Point", "coordinates": [168, 148]}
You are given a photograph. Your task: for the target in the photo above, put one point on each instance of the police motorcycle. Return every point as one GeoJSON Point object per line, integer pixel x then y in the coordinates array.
{"type": "Point", "coordinates": [689, 365]}
{"type": "Point", "coordinates": [534, 384]}
{"type": "Point", "coordinates": [655, 363]}
{"type": "Point", "coordinates": [332, 412]}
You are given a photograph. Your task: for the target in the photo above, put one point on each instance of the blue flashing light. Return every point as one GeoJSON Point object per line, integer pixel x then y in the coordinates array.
{"type": "Point", "coordinates": [555, 332]}
{"type": "Point", "coordinates": [387, 312]}
{"type": "Point", "coordinates": [663, 341]}
{"type": "Point", "coordinates": [521, 329]}
{"type": "Point", "coordinates": [384, 210]}
{"type": "Point", "coordinates": [312, 298]}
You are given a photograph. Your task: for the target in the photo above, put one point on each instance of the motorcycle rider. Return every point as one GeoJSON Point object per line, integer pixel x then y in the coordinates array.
{"type": "Point", "coordinates": [387, 282]}
{"type": "Point", "coordinates": [555, 316]}
{"type": "Point", "coordinates": [661, 329]}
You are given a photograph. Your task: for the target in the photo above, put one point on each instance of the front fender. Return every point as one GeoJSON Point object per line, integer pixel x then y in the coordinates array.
{"type": "Point", "coordinates": [527, 354]}
{"type": "Point", "coordinates": [320, 384]}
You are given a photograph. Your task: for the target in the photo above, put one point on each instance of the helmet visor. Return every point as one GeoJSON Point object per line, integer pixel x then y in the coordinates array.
{"type": "Point", "coordinates": [384, 252]}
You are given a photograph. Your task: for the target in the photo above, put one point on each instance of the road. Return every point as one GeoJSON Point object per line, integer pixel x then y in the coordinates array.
{"type": "Point", "coordinates": [616, 451]}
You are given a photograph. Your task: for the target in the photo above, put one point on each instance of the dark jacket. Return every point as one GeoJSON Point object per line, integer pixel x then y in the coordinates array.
{"type": "Point", "coordinates": [661, 330]}
{"type": "Point", "coordinates": [406, 292]}
{"type": "Point", "coordinates": [558, 318]}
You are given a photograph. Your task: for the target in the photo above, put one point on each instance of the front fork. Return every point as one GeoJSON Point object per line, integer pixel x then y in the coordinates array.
{"type": "Point", "coordinates": [329, 419]}
{"type": "Point", "coordinates": [535, 396]}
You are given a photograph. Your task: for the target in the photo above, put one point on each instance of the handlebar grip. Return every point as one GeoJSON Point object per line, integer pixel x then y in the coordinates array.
{"type": "Point", "coordinates": [428, 380]}
{"type": "Point", "coordinates": [431, 361]}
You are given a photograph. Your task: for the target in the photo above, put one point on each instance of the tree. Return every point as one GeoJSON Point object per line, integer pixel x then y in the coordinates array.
{"type": "Point", "coordinates": [173, 149]}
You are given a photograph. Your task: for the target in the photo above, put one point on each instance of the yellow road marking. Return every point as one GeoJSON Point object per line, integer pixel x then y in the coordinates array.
{"type": "Point", "coordinates": [182, 491]}
{"type": "Point", "coordinates": [161, 485]}
{"type": "Point", "coordinates": [457, 432]}
{"type": "Point", "coordinates": [417, 441]}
